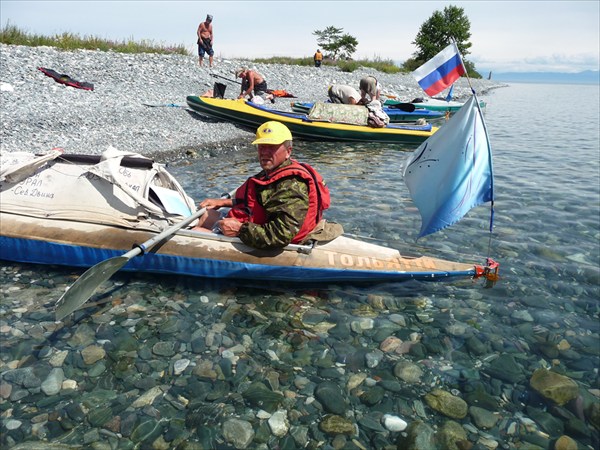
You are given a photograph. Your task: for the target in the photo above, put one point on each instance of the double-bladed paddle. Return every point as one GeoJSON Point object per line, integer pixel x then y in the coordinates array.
{"type": "Point", "coordinates": [172, 105]}
{"type": "Point", "coordinates": [86, 284]}
{"type": "Point", "coordinates": [225, 78]}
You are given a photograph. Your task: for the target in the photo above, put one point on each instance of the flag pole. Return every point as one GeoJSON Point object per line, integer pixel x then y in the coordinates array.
{"type": "Point", "coordinates": [463, 64]}
{"type": "Point", "coordinates": [489, 146]}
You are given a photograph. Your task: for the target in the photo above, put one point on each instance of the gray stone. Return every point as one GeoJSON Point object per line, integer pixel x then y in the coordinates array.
{"type": "Point", "coordinates": [12, 424]}
{"type": "Point", "coordinates": [300, 435]}
{"type": "Point", "coordinates": [333, 424]}
{"type": "Point", "coordinates": [418, 436]}
{"type": "Point", "coordinates": [97, 369]}
{"type": "Point", "coordinates": [53, 383]}
{"type": "Point", "coordinates": [238, 432]}
{"type": "Point", "coordinates": [505, 368]}
{"type": "Point", "coordinates": [84, 335]}
{"type": "Point", "coordinates": [452, 436]}
{"type": "Point", "coordinates": [5, 390]}
{"type": "Point", "coordinates": [92, 354]}
{"type": "Point", "coordinates": [259, 395]}
{"type": "Point", "coordinates": [476, 346]}
{"type": "Point", "coordinates": [522, 315]}
{"type": "Point", "coordinates": [408, 371]}
{"type": "Point", "coordinates": [278, 423]}
{"type": "Point", "coordinates": [371, 422]}
{"type": "Point", "coordinates": [447, 404]}
{"type": "Point", "coordinates": [147, 430]}
{"type": "Point", "coordinates": [373, 358]}
{"type": "Point", "coordinates": [372, 396]}
{"type": "Point", "coordinates": [99, 416]}
{"type": "Point", "coordinates": [554, 386]}
{"type": "Point", "coordinates": [547, 422]}
{"type": "Point", "coordinates": [24, 377]}
{"type": "Point", "coordinates": [330, 396]}
{"type": "Point", "coordinates": [164, 348]}
{"type": "Point", "coordinates": [483, 418]}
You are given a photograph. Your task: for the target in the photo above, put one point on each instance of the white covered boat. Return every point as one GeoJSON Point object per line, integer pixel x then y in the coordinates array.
{"type": "Point", "coordinates": [77, 210]}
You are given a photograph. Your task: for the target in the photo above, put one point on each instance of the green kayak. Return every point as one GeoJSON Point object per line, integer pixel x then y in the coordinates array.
{"type": "Point", "coordinates": [433, 104]}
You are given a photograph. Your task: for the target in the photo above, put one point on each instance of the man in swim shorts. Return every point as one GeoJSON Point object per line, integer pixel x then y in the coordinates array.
{"type": "Point", "coordinates": [205, 40]}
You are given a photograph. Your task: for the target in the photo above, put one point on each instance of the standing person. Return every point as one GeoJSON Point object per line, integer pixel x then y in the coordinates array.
{"type": "Point", "coordinates": [205, 40]}
{"type": "Point", "coordinates": [341, 93]}
{"type": "Point", "coordinates": [280, 205]}
{"type": "Point", "coordinates": [318, 58]}
{"type": "Point", "coordinates": [253, 84]}
{"type": "Point", "coordinates": [370, 89]}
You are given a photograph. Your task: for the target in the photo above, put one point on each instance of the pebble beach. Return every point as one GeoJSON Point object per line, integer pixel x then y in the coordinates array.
{"type": "Point", "coordinates": [39, 114]}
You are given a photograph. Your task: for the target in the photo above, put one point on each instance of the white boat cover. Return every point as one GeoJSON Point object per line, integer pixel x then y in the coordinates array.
{"type": "Point", "coordinates": [140, 196]}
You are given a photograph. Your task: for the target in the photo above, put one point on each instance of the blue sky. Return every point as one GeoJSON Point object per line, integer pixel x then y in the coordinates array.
{"type": "Point", "coordinates": [507, 36]}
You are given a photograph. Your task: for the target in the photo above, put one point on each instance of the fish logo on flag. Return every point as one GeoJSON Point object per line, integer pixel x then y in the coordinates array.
{"type": "Point", "coordinates": [451, 172]}
{"type": "Point", "coordinates": [440, 71]}
{"type": "Point", "coordinates": [449, 95]}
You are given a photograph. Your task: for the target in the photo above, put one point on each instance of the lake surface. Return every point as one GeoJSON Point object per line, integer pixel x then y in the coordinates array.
{"type": "Point", "coordinates": [157, 362]}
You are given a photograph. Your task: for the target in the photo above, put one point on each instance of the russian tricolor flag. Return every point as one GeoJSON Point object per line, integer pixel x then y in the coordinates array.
{"type": "Point", "coordinates": [440, 71]}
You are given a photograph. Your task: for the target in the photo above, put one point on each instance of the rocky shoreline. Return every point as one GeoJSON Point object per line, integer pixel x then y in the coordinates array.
{"type": "Point", "coordinates": [39, 114]}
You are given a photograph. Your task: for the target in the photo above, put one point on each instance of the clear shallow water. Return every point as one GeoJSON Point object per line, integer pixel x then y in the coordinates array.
{"type": "Point", "coordinates": [546, 239]}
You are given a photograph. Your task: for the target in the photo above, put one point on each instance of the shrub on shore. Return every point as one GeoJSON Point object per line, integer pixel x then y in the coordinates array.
{"type": "Point", "coordinates": [350, 65]}
{"type": "Point", "coordinates": [10, 34]}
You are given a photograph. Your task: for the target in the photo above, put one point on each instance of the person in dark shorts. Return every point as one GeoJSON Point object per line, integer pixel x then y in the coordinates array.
{"type": "Point", "coordinates": [253, 84]}
{"type": "Point", "coordinates": [205, 40]}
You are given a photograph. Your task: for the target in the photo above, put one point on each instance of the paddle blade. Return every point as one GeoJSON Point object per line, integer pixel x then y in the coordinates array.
{"type": "Point", "coordinates": [406, 107]}
{"type": "Point", "coordinates": [86, 285]}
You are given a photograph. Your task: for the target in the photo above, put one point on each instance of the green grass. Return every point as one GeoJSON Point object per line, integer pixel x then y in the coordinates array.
{"type": "Point", "coordinates": [10, 34]}
{"type": "Point", "coordinates": [385, 66]}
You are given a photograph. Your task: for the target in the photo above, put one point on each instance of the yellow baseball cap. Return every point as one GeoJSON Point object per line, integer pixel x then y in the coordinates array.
{"type": "Point", "coordinates": [272, 133]}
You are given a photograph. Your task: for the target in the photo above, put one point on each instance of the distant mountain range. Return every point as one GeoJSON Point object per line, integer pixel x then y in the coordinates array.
{"type": "Point", "coordinates": [586, 77]}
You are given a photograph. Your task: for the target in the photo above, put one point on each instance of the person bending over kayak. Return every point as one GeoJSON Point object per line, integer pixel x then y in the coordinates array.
{"type": "Point", "coordinates": [370, 89]}
{"type": "Point", "coordinates": [280, 205]}
{"type": "Point", "coordinates": [341, 93]}
{"type": "Point", "coordinates": [253, 84]}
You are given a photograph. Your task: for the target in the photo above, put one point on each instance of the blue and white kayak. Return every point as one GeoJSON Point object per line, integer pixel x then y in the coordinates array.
{"type": "Point", "coordinates": [76, 210]}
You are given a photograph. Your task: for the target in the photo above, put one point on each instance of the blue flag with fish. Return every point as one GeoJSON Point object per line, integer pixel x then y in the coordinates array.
{"type": "Point", "coordinates": [451, 172]}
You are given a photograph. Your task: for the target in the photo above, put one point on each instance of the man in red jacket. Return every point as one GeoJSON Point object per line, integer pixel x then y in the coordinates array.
{"type": "Point", "coordinates": [280, 205]}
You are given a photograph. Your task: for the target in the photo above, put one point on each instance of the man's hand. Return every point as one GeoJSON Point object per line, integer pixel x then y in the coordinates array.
{"type": "Point", "coordinates": [230, 227]}
{"type": "Point", "coordinates": [216, 203]}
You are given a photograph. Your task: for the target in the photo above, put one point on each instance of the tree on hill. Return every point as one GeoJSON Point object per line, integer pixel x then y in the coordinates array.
{"type": "Point", "coordinates": [435, 34]}
{"type": "Point", "coordinates": [336, 44]}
